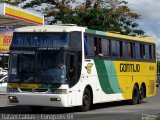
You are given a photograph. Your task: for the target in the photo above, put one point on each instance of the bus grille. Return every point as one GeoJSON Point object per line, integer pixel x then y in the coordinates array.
{"type": "Point", "coordinates": [41, 90]}
{"type": "Point", "coordinates": [26, 89]}
{"type": "Point", "coordinates": [34, 90]}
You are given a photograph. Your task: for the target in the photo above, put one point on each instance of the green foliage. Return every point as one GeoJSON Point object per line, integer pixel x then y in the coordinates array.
{"type": "Point", "coordinates": [104, 15]}
{"type": "Point", "coordinates": [12, 2]}
{"type": "Point", "coordinates": [157, 118]}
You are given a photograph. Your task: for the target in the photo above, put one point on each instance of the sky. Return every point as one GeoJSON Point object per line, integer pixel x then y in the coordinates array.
{"type": "Point", "coordinates": [150, 17]}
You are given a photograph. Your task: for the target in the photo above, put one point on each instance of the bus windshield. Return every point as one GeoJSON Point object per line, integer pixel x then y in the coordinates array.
{"type": "Point", "coordinates": [38, 67]}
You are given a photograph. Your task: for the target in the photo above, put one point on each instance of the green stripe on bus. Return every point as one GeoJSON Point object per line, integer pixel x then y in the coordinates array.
{"type": "Point", "coordinates": [103, 77]}
{"type": "Point", "coordinates": [112, 76]}
{"type": "Point", "coordinates": [90, 31]}
{"type": "Point", "coordinates": [101, 33]}
{"type": "Point", "coordinates": [95, 32]}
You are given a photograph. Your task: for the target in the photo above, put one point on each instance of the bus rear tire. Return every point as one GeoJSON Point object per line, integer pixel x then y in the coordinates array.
{"type": "Point", "coordinates": [141, 95]}
{"type": "Point", "coordinates": [86, 100]}
{"type": "Point", "coordinates": [36, 109]}
{"type": "Point", "coordinates": [135, 95]}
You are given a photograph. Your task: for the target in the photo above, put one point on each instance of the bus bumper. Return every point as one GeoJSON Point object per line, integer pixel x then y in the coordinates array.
{"type": "Point", "coordinates": [55, 100]}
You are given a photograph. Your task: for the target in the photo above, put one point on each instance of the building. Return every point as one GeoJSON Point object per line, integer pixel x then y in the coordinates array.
{"type": "Point", "coordinates": [12, 17]}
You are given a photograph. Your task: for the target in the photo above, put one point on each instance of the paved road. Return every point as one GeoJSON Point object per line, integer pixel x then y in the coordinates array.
{"type": "Point", "coordinates": [106, 111]}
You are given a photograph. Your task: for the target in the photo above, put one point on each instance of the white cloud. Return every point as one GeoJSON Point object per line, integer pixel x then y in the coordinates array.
{"type": "Point", "coordinates": [150, 17]}
{"type": "Point", "coordinates": [147, 8]}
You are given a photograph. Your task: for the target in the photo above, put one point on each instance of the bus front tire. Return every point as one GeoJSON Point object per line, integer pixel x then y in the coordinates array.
{"type": "Point", "coordinates": [135, 95]}
{"type": "Point", "coordinates": [86, 100]}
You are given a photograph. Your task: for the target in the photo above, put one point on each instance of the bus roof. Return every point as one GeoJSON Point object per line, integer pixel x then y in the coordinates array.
{"type": "Point", "coordinates": [73, 27]}
{"type": "Point", "coordinates": [117, 35]}
{"type": "Point", "coordinates": [51, 28]}
{"type": "Point", "coordinates": [143, 39]}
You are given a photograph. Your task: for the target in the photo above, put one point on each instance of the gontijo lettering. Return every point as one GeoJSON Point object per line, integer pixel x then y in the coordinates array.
{"type": "Point", "coordinates": [129, 67]}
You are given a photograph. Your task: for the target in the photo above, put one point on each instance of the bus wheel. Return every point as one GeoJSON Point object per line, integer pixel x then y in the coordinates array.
{"type": "Point", "coordinates": [135, 95]}
{"type": "Point", "coordinates": [141, 95]}
{"type": "Point", "coordinates": [36, 109]}
{"type": "Point", "coordinates": [86, 103]}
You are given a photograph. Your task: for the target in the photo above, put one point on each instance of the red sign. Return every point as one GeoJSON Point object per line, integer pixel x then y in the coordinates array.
{"type": "Point", "coordinates": [7, 40]}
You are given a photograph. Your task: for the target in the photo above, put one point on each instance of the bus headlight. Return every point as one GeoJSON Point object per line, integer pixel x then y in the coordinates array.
{"type": "Point", "coordinates": [58, 91]}
{"type": "Point", "coordinates": [10, 90]}
{"type": "Point", "coordinates": [13, 99]}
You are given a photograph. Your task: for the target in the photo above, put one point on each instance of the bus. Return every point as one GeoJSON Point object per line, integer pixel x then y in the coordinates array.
{"type": "Point", "coordinates": [67, 65]}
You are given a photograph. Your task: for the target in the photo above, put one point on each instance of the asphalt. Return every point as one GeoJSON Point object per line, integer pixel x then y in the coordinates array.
{"type": "Point", "coordinates": [122, 110]}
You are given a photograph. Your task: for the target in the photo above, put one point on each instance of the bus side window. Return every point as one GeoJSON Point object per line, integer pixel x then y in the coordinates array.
{"type": "Point", "coordinates": [142, 51]}
{"type": "Point", "coordinates": [153, 55]}
{"type": "Point", "coordinates": [150, 52]}
{"type": "Point", "coordinates": [105, 47]}
{"type": "Point", "coordinates": [153, 50]}
{"type": "Point", "coordinates": [89, 46]}
{"type": "Point", "coordinates": [137, 45]}
{"type": "Point", "coordinates": [133, 50]}
{"type": "Point", "coordinates": [95, 46]}
{"type": "Point", "coordinates": [121, 49]}
{"type": "Point", "coordinates": [124, 45]}
{"type": "Point", "coordinates": [85, 45]}
{"type": "Point", "coordinates": [129, 50]}
{"type": "Point", "coordinates": [147, 52]}
{"type": "Point", "coordinates": [115, 46]}
{"type": "Point", "coordinates": [100, 47]}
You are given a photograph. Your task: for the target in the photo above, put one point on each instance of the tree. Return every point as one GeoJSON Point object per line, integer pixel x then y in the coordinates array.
{"type": "Point", "coordinates": [12, 2]}
{"type": "Point", "coordinates": [104, 15]}
{"type": "Point", "coordinates": [110, 15]}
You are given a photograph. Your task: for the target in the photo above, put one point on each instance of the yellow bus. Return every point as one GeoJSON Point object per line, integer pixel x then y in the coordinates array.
{"type": "Point", "coordinates": [68, 65]}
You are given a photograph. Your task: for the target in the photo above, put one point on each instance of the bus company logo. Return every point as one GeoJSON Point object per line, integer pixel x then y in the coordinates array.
{"type": "Point", "coordinates": [89, 67]}
{"type": "Point", "coordinates": [129, 67]}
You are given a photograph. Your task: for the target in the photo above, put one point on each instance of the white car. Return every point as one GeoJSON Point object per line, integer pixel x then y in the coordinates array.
{"type": "Point", "coordinates": [3, 84]}
{"type": "Point", "coordinates": [3, 72]}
